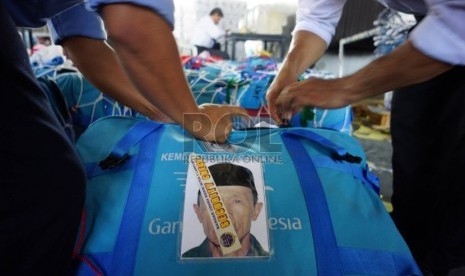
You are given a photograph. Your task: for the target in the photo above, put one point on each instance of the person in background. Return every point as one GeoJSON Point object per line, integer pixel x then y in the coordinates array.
{"type": "Point", "coordinates": [42, 181]}
{"type": "Point", "coordinates": [428, 118]}
{"type": "Point", "coordinates": [207, 32]}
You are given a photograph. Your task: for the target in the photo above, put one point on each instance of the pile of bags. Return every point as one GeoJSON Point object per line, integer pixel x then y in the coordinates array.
{"type": "Point", "coordinates": [245, 84]}
{"type": "Point", "coordinates": [211, 80]}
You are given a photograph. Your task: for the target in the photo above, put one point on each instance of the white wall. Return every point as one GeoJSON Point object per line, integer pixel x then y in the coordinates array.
{"type": "Point", "coordinates": [257, 16]}
{"type": "Point", "coordinates": [188, 12]}
{"type": "Point", "coordinates": [269, 16]}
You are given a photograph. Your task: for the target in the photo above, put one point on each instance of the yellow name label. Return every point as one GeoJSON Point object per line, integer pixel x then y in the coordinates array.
{"type": "Point", "coordinates": [224, 228]}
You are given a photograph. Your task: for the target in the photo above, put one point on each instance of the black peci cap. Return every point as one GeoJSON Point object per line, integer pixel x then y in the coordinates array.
{"type": "Point", "coordinates": [227, 174]}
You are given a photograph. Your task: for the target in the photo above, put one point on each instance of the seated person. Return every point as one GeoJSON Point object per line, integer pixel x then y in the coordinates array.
{"type": "Point", "coordinates": [207, 32]}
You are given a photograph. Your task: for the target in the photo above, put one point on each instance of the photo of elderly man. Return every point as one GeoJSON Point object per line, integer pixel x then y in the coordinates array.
{"type": "Point", "coordinates": [236, 186]}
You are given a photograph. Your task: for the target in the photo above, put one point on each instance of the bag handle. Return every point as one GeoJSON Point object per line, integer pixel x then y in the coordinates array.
{"type": "Point", "coordinates": [326, 250]}
{"type": "Point", "coordinates": [331, 259]}
{"type": "Point", "coordinates": [120, 152]}
{"type": "Point", "coordinates": [127, 241]}
{"type": "Point", "coordinates": [337, 152]}
{"type": "Point", "coordinates": [340, 154]}
{"type": "Point", "coordinates": [123, 260]}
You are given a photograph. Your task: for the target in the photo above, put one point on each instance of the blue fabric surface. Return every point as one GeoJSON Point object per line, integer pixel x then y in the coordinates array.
{"type": "Point", "coordinates": [299, 215]}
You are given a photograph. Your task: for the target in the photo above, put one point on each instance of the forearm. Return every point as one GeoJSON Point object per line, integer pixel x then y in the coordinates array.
{"type": "Point", "coordinates": [148, 52]}
{"type": "Point", "coordinates": [98, 63]}
{"type": "Point", "coordinates": [305, 50]}
{"type": "Point", "coordinates": [402, 67]}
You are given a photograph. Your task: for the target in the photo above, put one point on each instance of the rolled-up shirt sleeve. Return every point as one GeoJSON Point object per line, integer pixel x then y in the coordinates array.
{"type": "Point", "coordinates": [165, 8]}
{"type": "Point", "coordinates": [441, 34]}
{"type": "Point", "coordinates": [319, 17]}
{"type": "Point", "coordinates": [76, 21]}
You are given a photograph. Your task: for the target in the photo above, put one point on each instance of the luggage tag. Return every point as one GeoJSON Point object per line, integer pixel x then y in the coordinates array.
{"type": "Point", "coordinates": [224, 214]}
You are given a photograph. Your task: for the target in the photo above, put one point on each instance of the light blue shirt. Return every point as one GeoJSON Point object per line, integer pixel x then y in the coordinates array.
{"type": "Point", "coordinates": [440, 35]}
{"type": "Point", "coordinates": [67, 18]}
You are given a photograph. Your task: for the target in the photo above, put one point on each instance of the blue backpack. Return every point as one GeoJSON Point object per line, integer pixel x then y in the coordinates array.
{"type": "Point", "coordinates": [321, 213]}
{"type": "Point", "coordinates": [86, 103]}
{"type": "Point", "coordinates": [206, 84]}
{"type": "Point", "coordinates": [338, 119]}
{"type": "Point", "coordinates": [254, 96]}
{"type": "Point", "coordinates": [59, 105]}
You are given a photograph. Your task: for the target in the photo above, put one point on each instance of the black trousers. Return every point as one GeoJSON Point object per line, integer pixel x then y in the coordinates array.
{"type": "Point", "coordinates": [428, 138]}
{"type": "Point", "coordinates": [214, 51]}
{"type": "Point", "coordinates": [41, 179]}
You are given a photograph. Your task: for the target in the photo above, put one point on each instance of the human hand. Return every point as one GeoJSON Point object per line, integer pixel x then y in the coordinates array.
{"type": "Point", "coordinates": [214, 122]}
{"type": "Point", "coordinates": [314, 92]}
{"type": "Point", "coordinates": [157, 115]}
{"type": "Point", "coordinates": [275, 89]}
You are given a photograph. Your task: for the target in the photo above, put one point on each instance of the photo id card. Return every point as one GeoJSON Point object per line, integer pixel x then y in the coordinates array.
{"type": "Point", "coordinates": [224, 212]}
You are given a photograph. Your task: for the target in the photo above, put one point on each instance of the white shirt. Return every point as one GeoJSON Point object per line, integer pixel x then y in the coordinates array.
{"type": "Point", "coordinates": [440, 35]}
{"type": "Point", "coordinates": [205, 32]}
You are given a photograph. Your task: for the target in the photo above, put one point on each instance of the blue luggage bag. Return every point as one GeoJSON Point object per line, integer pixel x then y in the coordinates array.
{"type": "Point", "coordinates": [323, 214]}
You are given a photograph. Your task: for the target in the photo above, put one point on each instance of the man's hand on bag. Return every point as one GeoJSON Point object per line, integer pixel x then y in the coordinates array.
{"type": "Point", "coordinates": [312, 92]}
{"type": "Point", "coordinates": [273, 93]}
{"type": "Point", "coordinates": [214, 122]}
{"type": "Point", "coordinates": [157, 115]}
